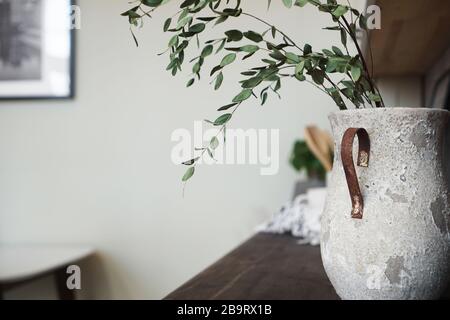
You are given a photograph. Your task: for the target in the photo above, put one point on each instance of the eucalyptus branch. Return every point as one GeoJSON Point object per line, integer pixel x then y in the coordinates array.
{"type": "Point", "coordinates": [311, 66]}
{"type": "Point", "coordinates": [193, 163]}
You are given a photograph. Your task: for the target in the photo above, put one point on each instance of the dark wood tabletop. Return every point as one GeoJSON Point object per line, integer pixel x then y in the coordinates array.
{"type": "Point", "coordinates": [265, 267]}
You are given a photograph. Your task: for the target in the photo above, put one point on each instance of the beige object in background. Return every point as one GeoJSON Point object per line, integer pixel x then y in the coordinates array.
{"type": "Point", "coordinates": [319, 143]}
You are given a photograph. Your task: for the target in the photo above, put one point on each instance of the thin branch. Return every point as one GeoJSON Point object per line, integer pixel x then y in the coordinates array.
{"type": "Point", "coordinates": [364, 94]}
{"type": "Point", "coordinates": [336, 87]}
{"type": "Point", "coordinates": [361, 56]}
{"type": "Point", "coordinates": [351, 13]}
{"type": "Point", "coordinates": [272, 26]}
{"type": "Point", "coordinates": [371, 52]}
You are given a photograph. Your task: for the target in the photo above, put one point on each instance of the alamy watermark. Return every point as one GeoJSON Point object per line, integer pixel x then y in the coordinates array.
{"type": "Point", "coordinates": [239, 147]}
{"type": "Point", "coordinates": [73, 281]}
{"type": "Point", "coordinates": [75, 17]}
{"type": "Point", "coordinates": [373, 15]}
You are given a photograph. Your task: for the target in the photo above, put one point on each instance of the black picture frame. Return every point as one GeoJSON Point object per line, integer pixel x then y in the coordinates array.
{"type": "Point", "coordinates": [71, 69]}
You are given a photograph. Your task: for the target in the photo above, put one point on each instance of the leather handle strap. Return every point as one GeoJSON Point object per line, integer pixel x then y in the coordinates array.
{"type": "Point", "coordinates": [349, 166]}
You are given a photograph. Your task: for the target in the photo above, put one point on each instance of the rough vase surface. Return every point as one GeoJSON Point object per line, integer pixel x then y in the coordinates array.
{"type": "Point", "coordinates": [400, 249]}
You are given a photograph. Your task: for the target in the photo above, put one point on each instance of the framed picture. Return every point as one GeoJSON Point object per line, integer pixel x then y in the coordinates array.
{"type": "Point", "coordinates": [36, 49]}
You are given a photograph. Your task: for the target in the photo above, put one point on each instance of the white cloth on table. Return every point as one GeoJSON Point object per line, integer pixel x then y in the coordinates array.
{"type": "Point", "coordinates": [300, 217]}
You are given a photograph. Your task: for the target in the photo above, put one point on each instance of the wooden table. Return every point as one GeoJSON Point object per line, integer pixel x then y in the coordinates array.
{"type": "Point", "coordinates": [22, 264]}
{"type": "Point", "coordinates": [265, 267]}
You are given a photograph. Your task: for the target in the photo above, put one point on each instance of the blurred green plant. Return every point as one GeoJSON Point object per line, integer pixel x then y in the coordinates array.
{"type": "Point", "coordinates": [302, 159]}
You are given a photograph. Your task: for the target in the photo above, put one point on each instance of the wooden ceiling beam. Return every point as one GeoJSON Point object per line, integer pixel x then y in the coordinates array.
{"type": "Point", "coordinates": [413, 35]}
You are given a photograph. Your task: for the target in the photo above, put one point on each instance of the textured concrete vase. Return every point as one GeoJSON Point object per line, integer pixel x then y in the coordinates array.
{"type": "Point", "coordinates": [395, 242]}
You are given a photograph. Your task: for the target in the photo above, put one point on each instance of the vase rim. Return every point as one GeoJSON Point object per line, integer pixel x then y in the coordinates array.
{"type": "Point", "coordinates": [391, 109]}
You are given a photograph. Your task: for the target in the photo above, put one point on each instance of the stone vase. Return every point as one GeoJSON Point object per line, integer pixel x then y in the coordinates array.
{"type": "Point", "coordinates": [394, 241]}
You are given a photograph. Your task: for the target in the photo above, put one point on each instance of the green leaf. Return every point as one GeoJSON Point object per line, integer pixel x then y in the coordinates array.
{"type": "Point", "coordinates": [173, 42]}
{"type": "Point", "coordinates": [332, 65]}
{"type": "Point", "coordinates": [288, 3]}
{"type": "Point", "coordinates": [300, 67]}
{"type": "Point", "coordinates": [205, 19]}
{"type": "Point", "coordinates": [223, 119]}
{"type": "Point", "coordinates": [356, 73]}
{"type": "Point", "coordinates": [301, 3]}
{"type": "Point", "coordinates": [277, 55]}
{"type": "Point", "coordinates": [129, 13]}
{"type": "Point", "coordinates": [215, 69]}
{"type": "Point", "coordinates": [264, 98]}
{"type": "Point", "coordinates": [374, 97]}
{"type": "Point", "coordinates": [337, 98]}
{"type": "Point", "coordinates": [222, 45]}
{"type": "Point", "coordinates": [221, 19]}
{"type": "Point", "coordinates": [183, 14]}
{"type": "Point", "coordinates": [274, 31]}
{"type": "Point", "coordinates": [210, 153]}
{"type": "Point", "coordinates": [315, 2]}
{"type": "Point", "coordinates": [184, 22]}
{"type": "Point", "coordinates": [214, 143]}
{"type": "Point", "coordinates": [248, 56]}
{"type": "Point", "coordinates": [292, 58]}
{"type": "Point", "coordinates": [252, 82]}
{"type": "Point", "coordinates": [219, 81]}
{"type": "Point", "coordinates": [173, 63]}
{"type": "Point", "coordinates": [167, 24]}
{"type": "Point", "coordinates": [189, 173]}
{"type": "Point", "coordinates": [332, 28]}
{"type": "Point", "coordinates": [307, 49]}
{"type": "Point", "coordinates": [191, 162]}
{"type": "Point", "coordinates": [318, 76]}
{"type": "Point", "coordinates": [363, 22]}
{"type": "Point", "coordinates": [228, 59]}
{"type": "Point", "coordinates": [244, 95]}
{"type": "Point", "coordinates": [187, 3]}
{"type": "Point", "coordinates": [234, 35]}
{"type": "Point", "coordinates": [196, 68]}
{"type": "Point", "coordinates": [207, 51]}
{"type": "Point", "coordinates": [197, 28]}
{"type": "Point", "coordinates": [228, 106]}
{"type": "Point", "coordinates": [337, 51]}
{"type": "Point", "coordinates": [277, 86]}
{"type": "Point", "coordinates": [251, 35]}
{"type": "Point", "coordinates": [190, 82]}
{"type": "Point", "coordinates": [152, 3]}
{"type": "Point", "coordinates": [328, 52]}
{"type": "Point", "coordinates": [340, 11]}
{"type": "Point", "coordinates": [187, 34]}
{"type": "Point", "coordinates": [344, 37]}
{"type": "Point", "coordinates": [268, 61]}
{"type": "Point", "coordinates": [249, 48]}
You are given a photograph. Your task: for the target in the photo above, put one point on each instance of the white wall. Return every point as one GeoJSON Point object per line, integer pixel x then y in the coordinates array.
{"type": "Point", "coordinates": [97, 170]}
